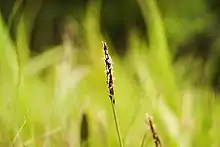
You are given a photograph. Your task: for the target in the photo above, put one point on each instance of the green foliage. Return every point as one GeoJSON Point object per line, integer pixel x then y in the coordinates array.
{"type": "Point", "coordinates": [55, 90]}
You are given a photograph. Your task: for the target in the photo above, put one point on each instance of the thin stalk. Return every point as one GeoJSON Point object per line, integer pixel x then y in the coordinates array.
{"type": "Point", "coordinates": [18, 132]}
{"type": "Point", "coordinates": [143, 139]}
{"type": "Point", "coordinates": [117, 125]}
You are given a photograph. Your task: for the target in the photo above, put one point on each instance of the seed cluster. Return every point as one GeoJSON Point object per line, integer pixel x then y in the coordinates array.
{"type": "Point", "coordinates": [109, 73]}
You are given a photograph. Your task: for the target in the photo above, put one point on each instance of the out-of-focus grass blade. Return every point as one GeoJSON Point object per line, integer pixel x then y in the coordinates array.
{"type": "Point", "coordinates": [25, 26]}
{"type": "Point", "coordinates": [93, 34]}
{"type": "Point", "coordinates": [151, 99]}
{"type": "Point", "coordinates": [22, 42]}
{"type": "Point", "coordinates": [158, 105]}
{"type": "Point", "coordinates": [40, 62]}
{"type": "Point", "coordinates": [9, 66]}
{"type": "Point", "coordinates": [9, 77]}
{"type": "Point", "coordinates": [152, 16]}
{"type": "Point", "coordinates": [15, 8]}
{"type": "Point", "coordinates": [158, 58]}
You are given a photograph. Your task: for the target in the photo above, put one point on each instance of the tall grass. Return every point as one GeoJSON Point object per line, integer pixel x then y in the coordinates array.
{"type": "Point", "coordinates": [55, 93]}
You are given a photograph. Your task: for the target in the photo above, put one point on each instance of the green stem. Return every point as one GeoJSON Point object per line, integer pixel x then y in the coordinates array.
{"type": "Point", "coordinates": [117, 125]}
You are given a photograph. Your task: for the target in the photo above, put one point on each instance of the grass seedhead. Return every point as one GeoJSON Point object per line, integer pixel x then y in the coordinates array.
{"type": "Point", "coordinates": [109, 72]}
{"type": "Point", "coordinates": [110, 86]}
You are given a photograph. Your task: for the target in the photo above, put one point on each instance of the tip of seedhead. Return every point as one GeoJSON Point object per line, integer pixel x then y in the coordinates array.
{"type": "Point", "coordinates": [104, 43]}
{"type": "Point", "coordinates": [148, 117]}
{"type": "Point", "coordinates": [153, 130]}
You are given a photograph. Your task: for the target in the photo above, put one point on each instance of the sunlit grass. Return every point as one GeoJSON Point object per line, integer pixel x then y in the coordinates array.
{"type": "Point", "coordinates": [53, 93]}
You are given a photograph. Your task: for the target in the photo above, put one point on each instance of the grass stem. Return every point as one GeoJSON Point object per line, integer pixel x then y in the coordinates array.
{"type": "Point", "coordinates": [117, 125]}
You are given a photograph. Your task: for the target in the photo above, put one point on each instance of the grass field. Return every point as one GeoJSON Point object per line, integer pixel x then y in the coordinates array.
{"type": "Point", "coordinates": [50, 99]}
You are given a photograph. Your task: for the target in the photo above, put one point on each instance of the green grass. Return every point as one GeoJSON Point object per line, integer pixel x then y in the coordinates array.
{"type": "Point", "coordinates": [53, 92]}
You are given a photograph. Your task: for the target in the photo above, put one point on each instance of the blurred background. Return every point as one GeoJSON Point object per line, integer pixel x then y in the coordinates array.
{"type": "Point", "coordinates": [166, 56]}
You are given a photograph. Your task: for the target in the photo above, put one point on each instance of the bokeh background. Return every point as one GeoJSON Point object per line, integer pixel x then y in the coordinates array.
{"type": "Point", "coordinates": [166, 56]}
